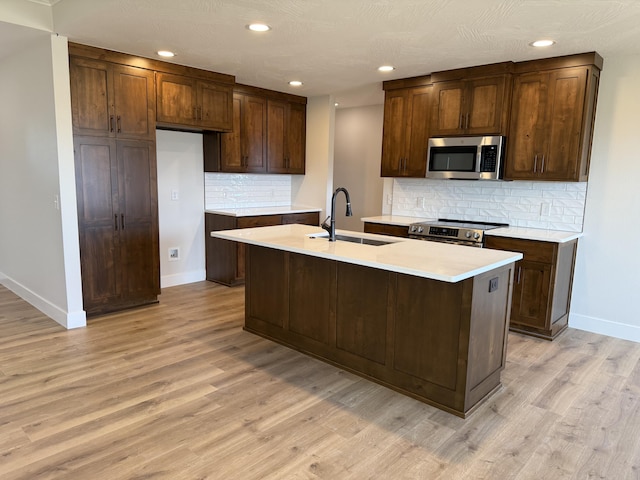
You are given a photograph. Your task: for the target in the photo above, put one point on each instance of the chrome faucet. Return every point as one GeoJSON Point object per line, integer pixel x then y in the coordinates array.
{"type": "Point", "coordinates": [331, 227]}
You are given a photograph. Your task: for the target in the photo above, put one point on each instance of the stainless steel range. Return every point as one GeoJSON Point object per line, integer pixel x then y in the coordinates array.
{"type": "Point", "coordinates": [459, 232]}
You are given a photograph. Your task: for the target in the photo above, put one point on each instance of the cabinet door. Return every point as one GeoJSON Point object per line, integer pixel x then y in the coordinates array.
{"type": "Point", "coordinates": [296, 135]}
{"type": "Point", "coordinates": [276, 118]}
{"type": "Point", "coordinates": [484, 105]}
{"type": "Point", "coordinates": [448, 113]}
{"type": "Point", "coordinates": [176, 98]}
{"type": "Point", "coordinates": [214, 102]}
{"type": "Point", "coordinates": [98, 219]}
{"type": "Point", "coordinates": [531, 295]}
{"type": "Point", "coordinates": [526, 133]}
{"type": "Point", "coordinates": [563, 122]}
{"type": "Point", "coordinates": [396, 110]}
{"type": "Point", "coordinates": [134, 103]}
{"type": "Point", "coordinates": [253, 133]}
{"type": "Point", "coordinates": [231, 155]}
{"type": "Point", "coordinates": [91, 97]}
{"type": "Point", "coordinates": [418, 133]}
{"type": "Point", "coordinates": [139, 256]}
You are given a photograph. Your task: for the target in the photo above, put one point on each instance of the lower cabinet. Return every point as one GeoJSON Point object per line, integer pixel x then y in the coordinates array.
{"type": "Point", "coordinates": [387, 229]}
{"type": "Point", "coordinates": [116, 189]}
{"type": "Point", "coordinates": [224, 258]}
{"type": "Point", "coordinates": [542, 284]}
{"type": "Point", "coordinates": [442, 343]}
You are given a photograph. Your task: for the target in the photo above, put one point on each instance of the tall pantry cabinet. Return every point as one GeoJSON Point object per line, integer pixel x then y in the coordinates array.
{"type": "Point", "coordinates": [114, 115]}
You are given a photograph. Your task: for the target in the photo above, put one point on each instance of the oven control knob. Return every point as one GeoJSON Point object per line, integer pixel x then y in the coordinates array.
{"type": "Point", "coordinates": [476, 235]}
{"type": "Point", "coordinates": [413, 228]}
{"type": "Point", "coordinates": [468, 234]}
{"type": "Point", "coordinates": [420, 229]}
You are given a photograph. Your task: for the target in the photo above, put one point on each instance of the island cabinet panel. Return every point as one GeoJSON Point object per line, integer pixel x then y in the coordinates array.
{"type": "Point", "coordinates": [542, 286]}
{"type": "Point", "coordinates": [361, 312]}
{"type": "Point", "coordinates": [442, 343]}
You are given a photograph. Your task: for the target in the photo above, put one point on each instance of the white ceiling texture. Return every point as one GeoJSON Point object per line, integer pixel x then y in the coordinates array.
{"type": "Point", "coordinates": [335, 46]}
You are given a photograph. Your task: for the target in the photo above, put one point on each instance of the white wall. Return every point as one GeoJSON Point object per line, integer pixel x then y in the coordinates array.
{"type": "Point", "coordinates": [181, 220]}
{"type": "Point", "coordinates": [606, 280]}
{"type": "Point", "coordinates": [316, 186]}
{"type": "Point", "coordinates": [39, 254]}
{"type": "Point", "coordinates": [358, 143]}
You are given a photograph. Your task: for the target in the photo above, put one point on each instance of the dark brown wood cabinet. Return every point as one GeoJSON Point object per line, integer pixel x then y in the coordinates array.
{"type": "Point", "coordinates": [387, 229]}
{"type": "Point", "coordinates": [116, 190]}
{"type": "Point", "coordinates": [442, 343]}
{"type": "Point", "coordinates": [286, 127]}
{"type": "Point", "coordinates": [552, 117]}
{"type": "Point", "coordinates": [112, 100]}
{"type": "Point", "coordinates": [474, 106]}
{"type": "Point", "coordinates": [224, 258]}
{"type": "Point", "coordinates": [245, 149]}
{"type": "Point", "coordinates": [542, 285]}
{"type": "Point", "coordinates": [405, 131]}
{"type": "Point", "coordinates": [193, 102]}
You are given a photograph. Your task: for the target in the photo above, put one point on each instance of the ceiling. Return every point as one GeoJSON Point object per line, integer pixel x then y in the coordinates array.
{"type": "Point", "coordinates": [335, 46]}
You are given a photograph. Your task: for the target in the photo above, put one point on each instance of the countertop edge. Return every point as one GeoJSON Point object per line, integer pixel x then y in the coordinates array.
{"type": "Point", "coordinates": [257, 211]}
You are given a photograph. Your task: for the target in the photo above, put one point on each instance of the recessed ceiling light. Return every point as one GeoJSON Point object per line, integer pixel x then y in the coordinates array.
{"type": "Point", "coordinates": [166, 53]}
{"type": "Point", "coordinates": [336, 104]}
{"type": "Point", "coordinates": [295, 83]}
{"type": "Point", "coordinates": [386, 68]}
{"type": "Point", "coordinates": [259, 27]}
{"type": "Point", "coordinates": [542, 43]}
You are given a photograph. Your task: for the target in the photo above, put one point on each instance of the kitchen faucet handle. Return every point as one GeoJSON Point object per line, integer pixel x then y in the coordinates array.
{"type": "Point", "coordinates": [325, 224]}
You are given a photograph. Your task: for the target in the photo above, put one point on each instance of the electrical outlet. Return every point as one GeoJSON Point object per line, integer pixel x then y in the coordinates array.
{"type": "Point", "coordinates": [493, 284]}
{"type": "Point", "coordinates": [420, 202]}
{"type": "Point", "coordinates": [389, 199]}
{"type": "Point", "coordinates": [56, 201]}
{"type": "Point", "coordinates": [545, 209]}
{"type": "Point", "coordinates": [174, 254]}
{"type": "Point", "coordinates": [175, 195]}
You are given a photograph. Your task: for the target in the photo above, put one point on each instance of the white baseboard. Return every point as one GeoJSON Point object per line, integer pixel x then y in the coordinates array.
{"type": "Point", "coordinates": [182, 278]}
{"type": "Point", "coordinates": [605, 327]}
{"type": "Point", "coordinates": [66, 319]}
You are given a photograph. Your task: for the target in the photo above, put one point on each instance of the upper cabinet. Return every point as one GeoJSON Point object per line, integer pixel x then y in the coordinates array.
{"type": "Point", "coordinates": [269, 134]}
{"type": "Point", "coordinates": [552, 117]}
{"type": "Point", "coordinates": [471, 101]}
{"type": "Point", "coordinates": [189, 101]}
{"type": "Point", "coordinates": [286, 125]}
{"type": "Point", "coordinates": [245, 148]}
{"type": "Point", "coordinates": [112, 100]}
{"type": "Point", "coordinates": [405, 130]}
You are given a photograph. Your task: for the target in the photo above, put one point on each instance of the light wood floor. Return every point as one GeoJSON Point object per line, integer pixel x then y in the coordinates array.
{"type": "Point", "coordinates": [179, 391]}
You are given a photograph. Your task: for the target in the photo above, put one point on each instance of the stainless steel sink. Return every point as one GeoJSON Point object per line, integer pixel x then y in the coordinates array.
{"type": "Point", "coordinates": [349, 238]}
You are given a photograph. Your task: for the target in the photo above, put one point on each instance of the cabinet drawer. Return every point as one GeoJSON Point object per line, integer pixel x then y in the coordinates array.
{"type": "Point", "coordinates": [532, 250]}
{"type": "Point", "coordinates": [309, 218]}
{"type": "Point", "coordinates": [261, 221]}
{"type": "Point", "coordinates": [386, 229]}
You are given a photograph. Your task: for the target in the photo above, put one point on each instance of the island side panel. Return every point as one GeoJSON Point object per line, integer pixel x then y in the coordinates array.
{"type": "Point", "coordinates": [491, 308]}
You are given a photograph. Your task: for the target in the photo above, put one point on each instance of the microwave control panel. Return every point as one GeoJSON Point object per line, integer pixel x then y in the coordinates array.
{"type": "Point", "coordinates": [488, 158]}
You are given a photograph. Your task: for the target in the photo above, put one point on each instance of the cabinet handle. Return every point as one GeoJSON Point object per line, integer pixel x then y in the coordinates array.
{"type": "Point", "coordinates": [461, 124]}
{"type": "Point", "coordinates": [467, 121]}
{"type": "Point", "coordinates": [519, 273]}
{"type": "Point", "coordinates": [535, 163]}
{"type": "Point", "coordinates": [116, 221]}
{"type": "Point", "coordinates": [111, 123]}
{"type": "Point", "coordinates": [542, 166]}
{"type": "Point", "coordinates": [119, 123]}
{"type": "Point", "coordinates": [122, 221]}
{"type": "Point", "coordinates": [195, 113]}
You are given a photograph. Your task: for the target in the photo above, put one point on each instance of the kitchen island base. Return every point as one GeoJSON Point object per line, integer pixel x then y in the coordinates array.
{"type": "Point", "coordinates": [440, 342]}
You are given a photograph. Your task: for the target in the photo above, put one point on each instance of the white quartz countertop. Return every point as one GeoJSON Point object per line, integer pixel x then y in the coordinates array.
{"type": "Point", "coordinates": [434, 260]}
{"type": "Point", "coordinates": [257, 211]}
{"type": "Point", "coordinates": [522, 233]}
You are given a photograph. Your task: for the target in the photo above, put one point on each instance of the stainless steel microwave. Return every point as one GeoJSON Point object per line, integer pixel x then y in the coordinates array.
{"type": "Point", "coordinates": [466, 158]}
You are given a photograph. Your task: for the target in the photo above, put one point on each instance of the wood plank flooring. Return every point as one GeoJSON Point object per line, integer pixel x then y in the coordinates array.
{"type": "Point", "coordinates": [179, 391]}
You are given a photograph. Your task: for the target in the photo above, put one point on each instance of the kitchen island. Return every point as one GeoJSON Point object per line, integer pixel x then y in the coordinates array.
{"type": "Point", "coordinates": [426, 319]}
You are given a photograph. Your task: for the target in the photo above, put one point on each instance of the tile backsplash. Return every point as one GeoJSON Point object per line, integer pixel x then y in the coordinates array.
{"type": "Point", "coordinates": [549, 205]}
{"type": "Point", "coordinates": [228, 190]}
